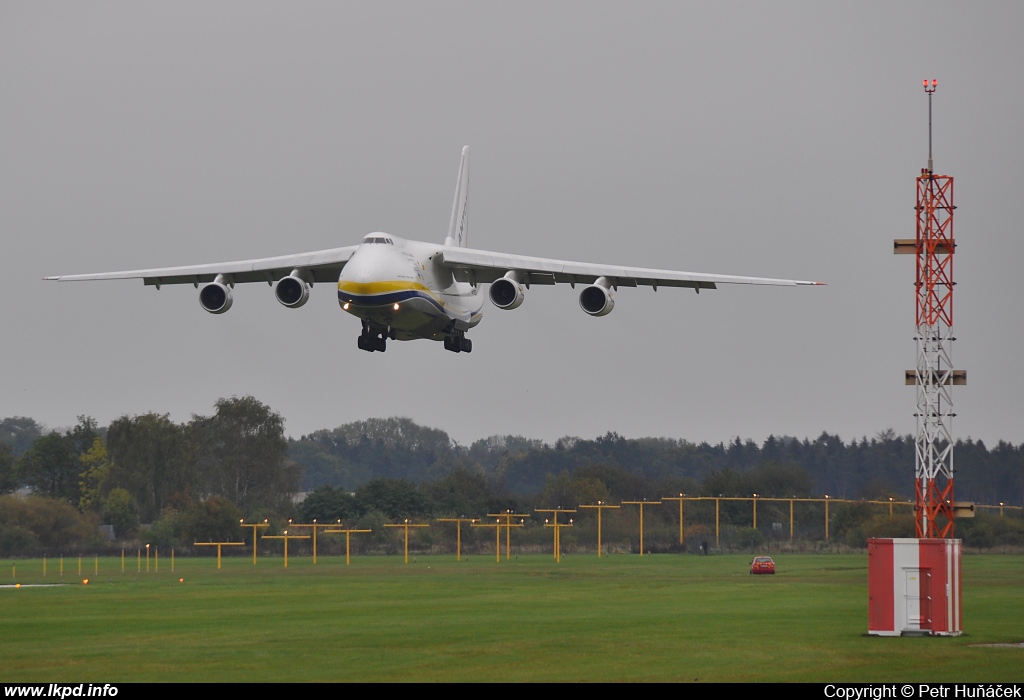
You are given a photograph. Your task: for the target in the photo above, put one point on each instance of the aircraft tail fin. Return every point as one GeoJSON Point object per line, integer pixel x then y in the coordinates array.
{"type": "Point", "coordinates": [458, 230]}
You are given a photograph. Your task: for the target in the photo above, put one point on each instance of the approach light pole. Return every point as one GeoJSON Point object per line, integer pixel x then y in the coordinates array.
{"type": "Point", "coordinates": [458, 528]}
{"type": "Point", "coordinates": [826, 517]}
{"type": "Point", "coordinates": [255, 527]}
{"type": "Point", "coordinates": [642, 504]}
{"type": "Point", "coordinates": [557, 527]}
{"type": "Point", "coordinates": [285, 536]}
{"type": "Point", "coordinates": [315, 526]}
{"type": "Point", "coordinates": [681, 497]}
{"type": "Point", "coordinates": [497, 537]}
{"type": "Point", "coordinates": [601, 506]}
{"type": "Point", "coordinates": [508, 515]}
{"type": "Point", "coordinates": [406, 525]}
{"type": "Point", "coordinates": [218, 545]}
{"type": "Point", "coordinates": [348, 538]}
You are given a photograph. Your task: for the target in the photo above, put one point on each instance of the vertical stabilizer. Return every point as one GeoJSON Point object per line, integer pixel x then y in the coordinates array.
{"type": "Point", "coordinates": [458, 230]}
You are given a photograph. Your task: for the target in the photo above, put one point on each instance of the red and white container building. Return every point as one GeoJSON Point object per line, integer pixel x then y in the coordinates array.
{"type": "Point", "coordinates": [914, 587]}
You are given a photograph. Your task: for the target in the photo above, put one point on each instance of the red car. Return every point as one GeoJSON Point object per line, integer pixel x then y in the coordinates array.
{"type": "Point", "coordinates": [762, 565]}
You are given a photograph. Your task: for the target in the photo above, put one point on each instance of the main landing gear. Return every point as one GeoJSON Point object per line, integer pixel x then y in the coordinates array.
{"type": "Point", "coordinates": [374, 339]}
{"type": "Point", "coordinates": [458, 342]}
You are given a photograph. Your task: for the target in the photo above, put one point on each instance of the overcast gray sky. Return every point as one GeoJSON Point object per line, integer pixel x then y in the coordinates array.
{"type": "Point", "coordinates": [751, 138]}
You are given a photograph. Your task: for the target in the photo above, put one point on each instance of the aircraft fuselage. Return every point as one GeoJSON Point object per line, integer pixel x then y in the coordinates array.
{"type": "Point", "coordinates": [400, 289]}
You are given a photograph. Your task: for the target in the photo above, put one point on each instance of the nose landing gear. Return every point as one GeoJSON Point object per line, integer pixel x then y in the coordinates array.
{"type": "Point", "coordinates": [374, 339]}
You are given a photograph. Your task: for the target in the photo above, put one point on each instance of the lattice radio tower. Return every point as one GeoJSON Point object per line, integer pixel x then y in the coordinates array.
{"type": "Point", "coordinates": [934, 376]}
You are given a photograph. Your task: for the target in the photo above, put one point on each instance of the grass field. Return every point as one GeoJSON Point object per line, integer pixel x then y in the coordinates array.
{"type": "Point", "coordinates": [618, 618]}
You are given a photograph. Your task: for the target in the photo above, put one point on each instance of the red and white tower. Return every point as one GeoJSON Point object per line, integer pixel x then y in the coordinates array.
{"type": "Point", "coordinates": [914, 583]}
{"type": "Point", "coordinates": [934, 377]}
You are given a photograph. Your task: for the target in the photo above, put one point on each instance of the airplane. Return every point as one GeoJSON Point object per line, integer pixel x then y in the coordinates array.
{"type": "Point", "coordinates": [405, 290]}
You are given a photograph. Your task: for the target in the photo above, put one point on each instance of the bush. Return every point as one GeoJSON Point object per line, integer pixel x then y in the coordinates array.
{"type": "Point", "coordinates": [748, 538]}
{"type": "Point", "coordinates": [15, 539]}
{"type": "Point", "coordinates": [168, 531]}
{"type": "Point", "coordinates": [39, 523]}
{"type": "Point", "coordinates": [987, 530]}
{"type": "Point", "coordinates": [899, 525]}
{"type": "Point", "coordinates": [214, 520]}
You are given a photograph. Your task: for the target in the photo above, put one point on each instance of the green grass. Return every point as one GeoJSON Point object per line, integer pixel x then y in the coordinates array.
{"type": "Point", "coordinates": [618, 618]}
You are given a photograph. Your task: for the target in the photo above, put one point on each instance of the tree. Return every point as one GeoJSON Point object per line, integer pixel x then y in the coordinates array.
{"type": "Point", "coordinates": [51, 467]}
{"type": "Point", "coordinates": [19, 432]}
{"type": "Point", "coordinates": [95, 469]}
{"type": "Point", "coordinates": [567, 491]}
{"type": "Point", "coordinates": [83, 435]}
{"type": "Point", "coordinates": [242, 454]}
{"type": "Point", "coordinates": [460, 493]}
{"type": "Point", "coordinates": [148, 458]}
{"type": "Point", "coordinates": [214, 520]}
{"type": "Point", "coordinates": [395, 498]}
{"type": "Point", "coordinates": [122, 513]}
{"type": "Point", "coordinates": [8, 476]}
{"type": "Point", "coordinates": [354, 453]}
{"type": "Point", "coordinates": [779, 479]}
{"type": "Point", "coordinates": [326, 504]}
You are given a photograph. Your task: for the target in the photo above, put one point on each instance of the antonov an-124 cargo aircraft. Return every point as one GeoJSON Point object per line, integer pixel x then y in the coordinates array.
{"type": "Point", "coordinates": [404, 290]}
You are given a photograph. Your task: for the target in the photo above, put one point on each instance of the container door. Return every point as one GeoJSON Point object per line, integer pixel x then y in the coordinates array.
{"type": "Point", "coordinates": [912, 599]}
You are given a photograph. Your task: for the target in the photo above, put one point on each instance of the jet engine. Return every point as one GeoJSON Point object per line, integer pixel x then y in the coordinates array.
{"type": "Point", "coordinates": [292, 291]}
{"type": "Point", "coordinates": [215, 297]}
{"type": "Point", "coordinates": [597, 300]}
{"type": "Point", "coordinates": [506, 293]}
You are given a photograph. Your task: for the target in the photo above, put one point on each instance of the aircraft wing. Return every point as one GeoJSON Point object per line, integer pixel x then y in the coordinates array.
{"type": "Point", "coordinates": [483, 266]}
{"type": "Point", "coordinates": [323, 265]}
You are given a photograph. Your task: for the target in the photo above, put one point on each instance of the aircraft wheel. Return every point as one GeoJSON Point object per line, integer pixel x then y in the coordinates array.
{"type": "Point", "coordinates": [467, 345]}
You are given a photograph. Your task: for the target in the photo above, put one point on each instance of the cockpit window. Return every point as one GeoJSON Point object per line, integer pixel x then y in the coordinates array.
{"type": "Point", "coordinates": [378, 239]}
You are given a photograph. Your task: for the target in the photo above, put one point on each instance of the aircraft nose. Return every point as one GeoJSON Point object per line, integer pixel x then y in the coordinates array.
{"type": "Point", "coordinates": [360, 272]}
{"type": "Point", "coordinates": [361, 268]}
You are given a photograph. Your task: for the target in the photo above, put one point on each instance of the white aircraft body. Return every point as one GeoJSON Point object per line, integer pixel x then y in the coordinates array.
{"type": "Point", "coordinates": [404, 289]}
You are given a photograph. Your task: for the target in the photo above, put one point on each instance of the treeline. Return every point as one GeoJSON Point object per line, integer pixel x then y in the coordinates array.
{"type": "Point", "coordinates": [467, 494]}
{"type": "Point", "coordinates": [142, 469]}
{"type": "Point", "coordinates": [392, 468]}
{"type": "Point", "coordinates": [881, 467]}
{"type": "Point", "coordinates": [194, 481]}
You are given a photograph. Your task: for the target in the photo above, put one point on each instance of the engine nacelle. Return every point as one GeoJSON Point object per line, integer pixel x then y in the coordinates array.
{"type": "Point", "coordinates": [292, 291]}
{"type": "Point", "coordinates": [506, 293]}
{"type": "Point", "coordinates": [597, 300]}
{"type": "Point", "coordinates": [215, 297]}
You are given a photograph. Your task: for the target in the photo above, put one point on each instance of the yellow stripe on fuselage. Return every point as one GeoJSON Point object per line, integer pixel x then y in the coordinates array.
{"type": "Point", "coordinates": [371, 288]}
{"type": "Point", "coordinates": [366, 291]}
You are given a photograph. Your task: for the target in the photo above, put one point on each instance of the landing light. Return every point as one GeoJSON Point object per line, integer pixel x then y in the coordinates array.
{"type": "Point", "coordinates": [396, 307]}
{"type": "Point", "coordinates": [345, 306]}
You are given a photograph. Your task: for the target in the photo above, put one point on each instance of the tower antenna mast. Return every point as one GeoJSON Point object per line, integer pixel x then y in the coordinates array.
{"type": "Point", "coordinates": [934, 376]}
{"type": "Point", "coordinates": [930, 89]}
